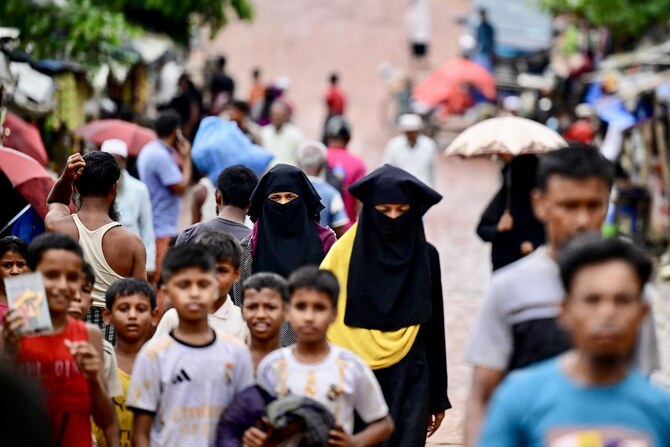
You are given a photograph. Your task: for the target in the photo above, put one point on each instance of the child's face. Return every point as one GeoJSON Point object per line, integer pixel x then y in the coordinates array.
{"type": "Point", "coordinates": [131, 317]}
{"type": "Point", "coordinates": [12, 264]}
{"type": "Point", "coordinates": [61, 271]}
{"type": "Point", "coordinates": [310, 313]}
{"type": "Point", "coordinates": [226, 276]}
{"type": "Point", "coordinates": [81, 303]}
{"type": "Point", "coordinates": [192, 292]}
{"type": "Point", "coordinates": [263, 310]}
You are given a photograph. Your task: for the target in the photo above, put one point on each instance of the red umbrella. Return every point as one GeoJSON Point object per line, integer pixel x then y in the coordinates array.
{"type": "Point", "coordinates": [447, 83]}
{"type": "Point", "coordinates": [135, 136]}
{"type": "Point", "coordinates": [28, 177]}
{"type": "Point", "coordinates": [24, 137]}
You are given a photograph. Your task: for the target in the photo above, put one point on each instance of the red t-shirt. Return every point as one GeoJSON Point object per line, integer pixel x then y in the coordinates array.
{"type": "Point", "coordinates": [350, 169]}
{"type": "Point", "coordinates": [68, 396]}
{"type": "Point", "coordinates": [335, 100]}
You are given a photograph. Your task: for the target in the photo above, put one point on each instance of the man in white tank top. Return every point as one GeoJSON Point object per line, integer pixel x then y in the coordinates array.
{"type": "Point", "coordinates": [113, 251]}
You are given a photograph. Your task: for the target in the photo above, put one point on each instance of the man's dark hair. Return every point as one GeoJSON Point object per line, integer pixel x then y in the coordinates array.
{"type": "Point", "coordinates": [240, 105]}
{"type": "Point", "coordinates": [334, 78]}
{"type": "Point", "coordinates": [99, 175]}
{"type": "Point", "coordinates": [127, 287]}
{"type": "Point", "coordinates": [579, 162]}
{"type": "Point", "coordinates": [15, 244]}
{"type": "Point", "coordinates": [256, 73]}
{"type": "Point", "coordinates": [311, 277]}
{"type": "Point", "coordinates": [167, 122]}
{"type": "Point", "coordinates": [223, 246]}
{"type": "Point", "coordinates": [51, 241]}
{"type": "Point", "coordinates": [236, 184]}
{"type": "Point", "coordinates": [591, 249]}
{"type": "Point", "coordinates": [221, 62]}
{"type": "Point", "coordinates": [187, 256]}
{"type": "Point", "coordinates": [89, 274]}
{"type": "Point", "coordinates": [267, 280]}
{"type": "Point", "coordinates": [338, 128]}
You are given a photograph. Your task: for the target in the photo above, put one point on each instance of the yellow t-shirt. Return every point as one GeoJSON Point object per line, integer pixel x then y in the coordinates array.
{"type": "Point", "coordinates": [124, 415]}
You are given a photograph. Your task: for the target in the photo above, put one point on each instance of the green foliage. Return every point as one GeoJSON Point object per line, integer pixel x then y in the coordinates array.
{"type": "Point", "coordinates": [625, 18]}
{"type": "Point", "coordinates": [89, 31]}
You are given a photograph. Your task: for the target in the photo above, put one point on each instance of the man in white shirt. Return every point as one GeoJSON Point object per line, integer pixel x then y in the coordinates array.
{"type": "Point", "coordinates": [411, 151]}
{"type": "Point", "coordinates": [133, 201]}
{"type": "Point", "coordinates": [281, 137]}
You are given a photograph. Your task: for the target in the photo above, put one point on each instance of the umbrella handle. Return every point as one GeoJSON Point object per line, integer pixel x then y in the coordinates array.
{"type": "Point", "coordinates": [508, 183]}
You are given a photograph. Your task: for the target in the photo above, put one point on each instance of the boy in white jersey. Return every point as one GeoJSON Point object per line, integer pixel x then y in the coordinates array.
{"type": "Point", "coordinates": [333, 376]}
{"type": "Point", "coordinates": [181, 382]}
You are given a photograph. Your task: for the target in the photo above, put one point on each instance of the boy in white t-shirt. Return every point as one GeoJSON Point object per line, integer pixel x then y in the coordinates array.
{"type": "Point", "coordinates": [333, 376]}
{"type": "Point", "coordinates": [225, 317]}
{"type": "Point", "coordinates": [181, 382]}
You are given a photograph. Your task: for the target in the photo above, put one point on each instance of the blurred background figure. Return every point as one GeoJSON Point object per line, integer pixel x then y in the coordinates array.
{"type": "Point", "coordinates": [281, 137]}
{"type": "Point", "coordinates": [221, 88]}
{"type": "Point", "coordinates": [485, 35]}
{"type": "Point", "coordinates": [418, 31]}
{"type": "Point", "coordinates": [345, 166]}
{"type": "Point", "coordinates": [412, 151]}
{"type": "Point", "coordinates": [257, 88]}
{"type": "Point", "coordinates": [239, 112]}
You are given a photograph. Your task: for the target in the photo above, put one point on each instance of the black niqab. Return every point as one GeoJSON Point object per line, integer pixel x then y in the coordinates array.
{"type": "Point", "coordinates": [287, 234]}
{"type": "Point", "coordinates": [389, 285]}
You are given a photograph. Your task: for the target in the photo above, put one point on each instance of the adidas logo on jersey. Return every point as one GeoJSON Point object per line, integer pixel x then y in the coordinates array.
{"type": "Point", "coordinates": [181, 377]}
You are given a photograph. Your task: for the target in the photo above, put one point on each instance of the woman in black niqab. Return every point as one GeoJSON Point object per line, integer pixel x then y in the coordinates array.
{"type": "Point", "coordinates": [393, 291]}
{"type": "Point", "coordinates": [286, 233]}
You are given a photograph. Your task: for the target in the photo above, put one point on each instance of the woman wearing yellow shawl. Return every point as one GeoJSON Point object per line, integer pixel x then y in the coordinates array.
{"type": "Point", "coordinates": [390, 309]}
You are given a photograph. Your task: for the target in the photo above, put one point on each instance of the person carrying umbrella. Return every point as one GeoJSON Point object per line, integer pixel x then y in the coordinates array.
{"type": "Point", "coordinates": [508, 222]}
{"type": "Point", "coordinates": [390, 308]}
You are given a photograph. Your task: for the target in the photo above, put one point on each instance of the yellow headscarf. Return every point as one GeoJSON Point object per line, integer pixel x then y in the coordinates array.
{"type": "Point", "coordinates": [379, 349]}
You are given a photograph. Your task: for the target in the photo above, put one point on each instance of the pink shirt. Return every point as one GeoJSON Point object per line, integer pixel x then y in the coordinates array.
{"type": "Point", "coordinates": [350, 169]}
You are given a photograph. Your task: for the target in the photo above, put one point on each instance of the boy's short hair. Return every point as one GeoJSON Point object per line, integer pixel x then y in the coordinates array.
{"type": "Point", "coordinates": [591, 249]}
{"type": "Point", "coordinates": [267, 280]}
{"type": "Point", "coordinates": [127, 287]}
{"type": "Point", "coordinates": [187, 256]}
{"type": "Point", "coordinates": [236, 184]}
{"type": "Point", "coordinates": [89, 274]}
{"type": "Point", "coordinates": [311, 277]}
{"type": "Point", "coordinates": [51, 241]}
{"type": "Point", "coordinates": [223, 246]}
{"type": "Point", "coordinates": [578, 161]}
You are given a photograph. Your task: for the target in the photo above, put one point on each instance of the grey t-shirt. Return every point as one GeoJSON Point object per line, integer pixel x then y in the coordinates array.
{"type": "Point", "coordinates": [191, 233]}
{"type": "Point", "coordinates": [526, 291]}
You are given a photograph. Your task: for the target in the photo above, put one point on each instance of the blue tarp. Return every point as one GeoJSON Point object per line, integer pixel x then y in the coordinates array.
{"type": "Point", "coordinates": [220, 144]}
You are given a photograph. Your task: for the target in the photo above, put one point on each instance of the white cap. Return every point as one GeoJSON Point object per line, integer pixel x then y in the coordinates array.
{"type": "Point", "coordinates": [115, 147]}
{"type": "Point", "coordinates": [409, 122]}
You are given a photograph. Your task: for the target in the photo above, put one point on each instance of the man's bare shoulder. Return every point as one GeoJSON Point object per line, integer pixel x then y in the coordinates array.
{"type": "Point", "coordinates": [59, 221]}
{"type": "Point", "coordinates": [124, 237]}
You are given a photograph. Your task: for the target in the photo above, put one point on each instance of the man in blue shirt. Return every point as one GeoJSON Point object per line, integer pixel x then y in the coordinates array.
{"type": "Point", "coordinates": [588, 396]}
{"type": "Point", "coordinates": [158, 169]}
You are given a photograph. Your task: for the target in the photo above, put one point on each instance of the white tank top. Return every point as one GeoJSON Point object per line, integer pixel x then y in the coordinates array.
{"type": "Point", "coordinates": [91, 244]}
{"type": "Point", "coordinates": [208, 208]}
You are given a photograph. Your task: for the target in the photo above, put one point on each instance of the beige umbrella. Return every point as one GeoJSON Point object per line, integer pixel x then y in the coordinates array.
{"type": "Point", "coordinates": [505, 135]}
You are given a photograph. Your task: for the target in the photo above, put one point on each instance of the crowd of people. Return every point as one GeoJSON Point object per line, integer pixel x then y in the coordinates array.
{"type": "Point", "coordinates": [306, 308]}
